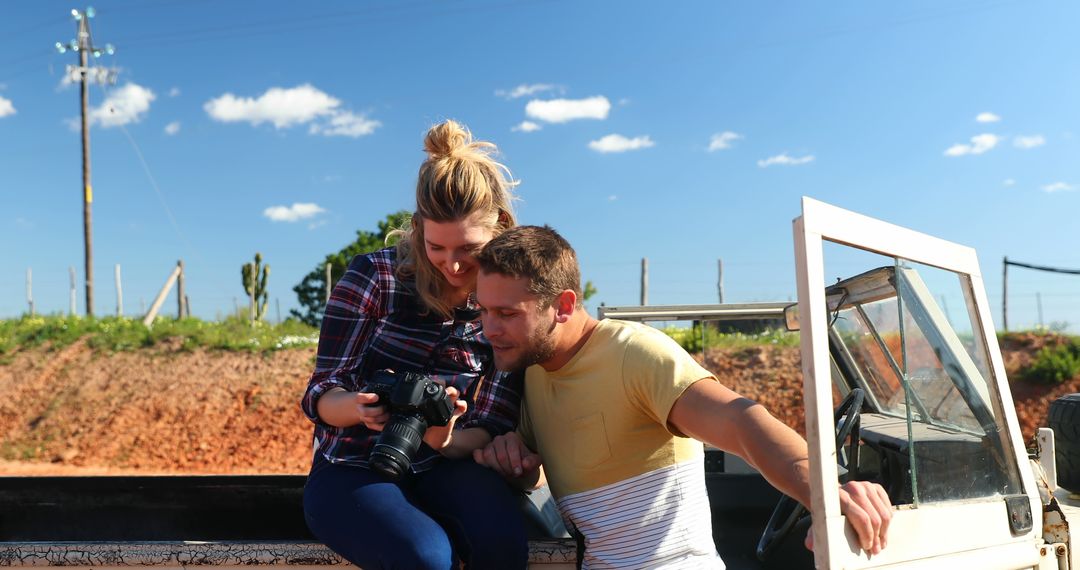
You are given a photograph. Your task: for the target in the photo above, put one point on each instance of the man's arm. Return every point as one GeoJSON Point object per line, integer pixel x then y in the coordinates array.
{"type": "Point", "coordinates": [710, 412]}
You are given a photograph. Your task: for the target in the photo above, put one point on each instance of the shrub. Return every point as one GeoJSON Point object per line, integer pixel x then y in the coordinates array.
{"type": "Point", "coordinates": [1054, 364]}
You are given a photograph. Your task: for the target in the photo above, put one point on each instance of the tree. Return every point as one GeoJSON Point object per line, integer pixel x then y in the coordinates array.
{"type": "Point", "coordinates": [311, 292]}
{"type": "Point", "coordinates": [589, 291]}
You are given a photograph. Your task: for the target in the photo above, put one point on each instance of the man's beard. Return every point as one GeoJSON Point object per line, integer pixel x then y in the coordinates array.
{"type": "Point", "coordinates": [540, 347]}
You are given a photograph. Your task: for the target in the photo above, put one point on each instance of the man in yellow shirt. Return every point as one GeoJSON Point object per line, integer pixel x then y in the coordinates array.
{"type": "Point", "coordinates": [611, 407]}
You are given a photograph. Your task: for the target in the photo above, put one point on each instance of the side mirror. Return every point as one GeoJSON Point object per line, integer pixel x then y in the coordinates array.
{"type": "Point", "coordinates": [791, 317]}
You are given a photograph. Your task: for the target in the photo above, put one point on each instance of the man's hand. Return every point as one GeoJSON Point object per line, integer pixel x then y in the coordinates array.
{"type": "Point", "coordinates": [509, 456]}
{"type": "Point", "coordinates": [438, 437]}
{"type": "Point", "coordinates": [868, 510]}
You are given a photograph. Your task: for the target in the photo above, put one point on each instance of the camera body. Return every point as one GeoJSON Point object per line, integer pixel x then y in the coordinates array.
{"type": "Point", "coordinates": [415, 402]}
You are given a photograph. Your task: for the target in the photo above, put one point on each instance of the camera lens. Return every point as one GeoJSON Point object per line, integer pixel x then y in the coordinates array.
{"type": "Point", "coordinates": [395, 447]}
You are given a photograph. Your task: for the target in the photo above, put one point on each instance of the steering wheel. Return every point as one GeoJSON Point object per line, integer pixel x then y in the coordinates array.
{"type": "Point", "coordinates": [789, 513]}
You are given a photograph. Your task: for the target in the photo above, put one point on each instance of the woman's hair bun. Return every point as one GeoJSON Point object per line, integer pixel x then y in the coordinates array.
{"type": "Point", "coordinates": [444, 139]}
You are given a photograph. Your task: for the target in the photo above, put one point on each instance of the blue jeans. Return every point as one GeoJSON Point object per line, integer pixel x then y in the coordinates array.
{"type": "Point", "coordinates": [457, 510]}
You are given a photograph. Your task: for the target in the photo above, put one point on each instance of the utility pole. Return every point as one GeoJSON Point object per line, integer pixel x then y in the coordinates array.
{"type": "Point", "coordinates": [83, 45]}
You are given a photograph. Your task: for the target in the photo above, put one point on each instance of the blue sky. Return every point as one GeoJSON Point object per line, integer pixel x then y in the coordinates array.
{"type": "Point", "coordinates": [682, 132]}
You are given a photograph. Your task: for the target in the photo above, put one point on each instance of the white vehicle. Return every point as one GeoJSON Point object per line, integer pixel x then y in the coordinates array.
{"type": "Point", "coordinates": [904, 384]}
{"type": "Point", "coordinates": [900, 390]}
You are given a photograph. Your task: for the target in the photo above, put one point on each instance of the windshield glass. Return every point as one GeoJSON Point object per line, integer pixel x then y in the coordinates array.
{"type": "Point", "coordinates": [909, 335]}
{"type": "Point", "coordinates": [872, 335]}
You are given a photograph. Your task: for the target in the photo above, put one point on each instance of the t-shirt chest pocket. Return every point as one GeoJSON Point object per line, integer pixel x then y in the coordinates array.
{"type": "Point", "coordinates": [590, 441]}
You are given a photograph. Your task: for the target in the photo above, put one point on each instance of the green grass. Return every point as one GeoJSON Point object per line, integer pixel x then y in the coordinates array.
{"type": "Point", "coordinates": [690, 338]}
{"type": "Point", "coordinates": [112, 334]}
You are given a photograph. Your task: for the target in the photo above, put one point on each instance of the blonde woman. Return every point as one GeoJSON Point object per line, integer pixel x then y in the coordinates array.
{"type": "Point", "coordinates": [411, 308]}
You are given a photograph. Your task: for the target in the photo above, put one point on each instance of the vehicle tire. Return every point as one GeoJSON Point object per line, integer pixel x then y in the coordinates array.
{"type": "Point", "coordinates": [1064, 419]}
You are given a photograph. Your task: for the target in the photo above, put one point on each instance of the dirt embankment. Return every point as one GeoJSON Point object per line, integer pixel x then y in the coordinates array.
{"type": "Point", "coordinates": [160, 410]}
{"type": "Point", "coordinates": [164, 410]}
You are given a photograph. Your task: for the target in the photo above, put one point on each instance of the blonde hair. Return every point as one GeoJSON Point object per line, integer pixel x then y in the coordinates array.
{"type": "Point", "coordinates": [459, 180]}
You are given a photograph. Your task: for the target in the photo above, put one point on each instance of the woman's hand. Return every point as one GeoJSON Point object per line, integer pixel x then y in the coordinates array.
{"type": "Point", "coordinates": [372, 414]}
{"type": "Point", "coordinates": [341, 408]}
{"type": "Point", "coordinates": [439, 437]}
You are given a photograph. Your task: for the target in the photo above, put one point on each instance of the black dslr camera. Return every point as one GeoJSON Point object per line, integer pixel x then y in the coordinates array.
{"type": "Point", "coordinates": [414, 402]}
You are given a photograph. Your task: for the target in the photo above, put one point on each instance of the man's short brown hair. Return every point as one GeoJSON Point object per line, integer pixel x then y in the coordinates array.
{"type": "Point", "coordinates": [538, 254]}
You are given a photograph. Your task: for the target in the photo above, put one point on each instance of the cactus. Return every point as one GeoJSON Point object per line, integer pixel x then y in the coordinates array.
{"type": "Point", "coordinates": [255, 276]}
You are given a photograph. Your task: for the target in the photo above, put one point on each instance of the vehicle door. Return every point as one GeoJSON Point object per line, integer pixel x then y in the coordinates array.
{"type": "Point", "coordinates": [941, 431]}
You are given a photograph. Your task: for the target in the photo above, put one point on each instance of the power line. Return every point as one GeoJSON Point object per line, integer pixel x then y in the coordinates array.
{"type": "Point", "coordinates": [33, 28]}
{"type": "Point", "coordinates": [1042, 267]}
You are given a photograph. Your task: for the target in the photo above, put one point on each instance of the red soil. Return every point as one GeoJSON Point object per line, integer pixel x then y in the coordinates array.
{"type": "Point", "coordinates": [164, 410]}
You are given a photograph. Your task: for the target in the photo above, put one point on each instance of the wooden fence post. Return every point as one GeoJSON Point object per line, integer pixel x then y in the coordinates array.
{"type": "Point", "coordinates": [149, 318]}
{"type": "Point", "coordinates": [720, 280]}
{"type": "Point", "coordinates": [119, 294]}
{"type": "Point", "coordinates": [180, 290]}
{"type": "Point", "coordinates": [71, 272]}
{"type": "Point", "coordinates": [328, 284]}
{"type": "Point", "coordinates": [1005, 294]}
{"type": "Point", "coordinates": [644, 281]}
{"type": "Point", "coordinates": [30, 289]}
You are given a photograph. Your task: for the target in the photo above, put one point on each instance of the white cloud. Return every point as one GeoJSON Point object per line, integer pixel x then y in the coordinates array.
{"type": "Point", "coordinates": [721, 141]}
{"type": "Point", "coordinates": [987, 118]}
{"type": "Point", "coordinates": [526, 90]}
{"type": "Point", "coordinates": [526, 127]}
{"type": "Point", "coordinates": [1058, 187]}
{"type": "Point", "coordinates": [281, 107]}
{"type": "Point", "coordinates": [346, 124]}
{"type": "Point", "coordinates": [296, 212]}
{"type": "Point", "coordinates": [174, 92]}
{"type": "Point", "coordinates": [1008, 182]}
{"type": "Point", "coordinates": [979, 144]}
{"type": "Point", "coordinates": [24, 224]}
{"type": "Point", "coordinates": [783, 159]}
{"type": "Point", "coordinates": [563, 110]}
{"type": "Point", "coordinates": [619, 143]}
{"type": "Point", "coordinates": [612, 198]}
{"type": "Point", "coordinates": [289, 107]}
{"type": "Point", "coordinates": [172, 128]}
{"type": "Point", "coordinates": [6, 107]}
{"type": "Point", "coordinates": [1026, 142]}
{"type": "Point", "coordinates": [122, 106]}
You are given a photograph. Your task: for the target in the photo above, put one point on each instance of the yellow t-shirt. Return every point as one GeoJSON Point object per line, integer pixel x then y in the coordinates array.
{"type": "Point", "coordinates": [634, 489]}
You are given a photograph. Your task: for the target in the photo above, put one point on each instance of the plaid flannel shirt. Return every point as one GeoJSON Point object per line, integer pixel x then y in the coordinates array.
{"type": "Point", "coordinates": [373, 322]}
